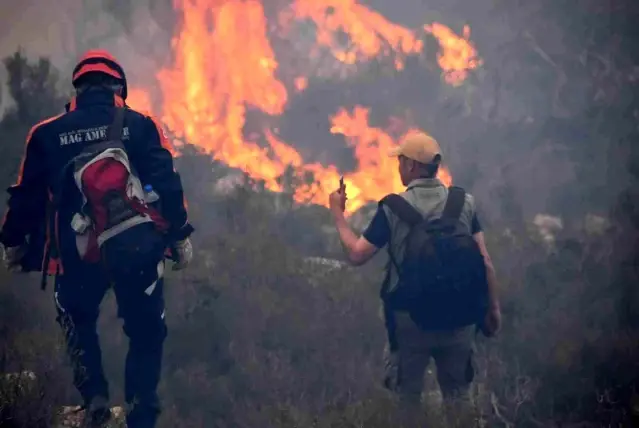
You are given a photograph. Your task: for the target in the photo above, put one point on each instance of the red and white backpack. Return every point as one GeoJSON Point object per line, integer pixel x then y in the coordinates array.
{"type": "Point", "coordinates": [113, 198]}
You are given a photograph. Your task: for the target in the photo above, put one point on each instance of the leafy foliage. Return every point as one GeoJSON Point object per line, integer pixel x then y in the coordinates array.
{"type": "Point", "coordinates": [34, 89]}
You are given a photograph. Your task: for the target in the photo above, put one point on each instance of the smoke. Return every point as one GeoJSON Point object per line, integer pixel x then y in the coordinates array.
{"type": "Point", "coordinates": [138, 34]}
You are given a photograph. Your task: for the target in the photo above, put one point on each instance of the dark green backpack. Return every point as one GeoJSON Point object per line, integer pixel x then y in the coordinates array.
{"type": "Point", "coordinates": [442, 278]}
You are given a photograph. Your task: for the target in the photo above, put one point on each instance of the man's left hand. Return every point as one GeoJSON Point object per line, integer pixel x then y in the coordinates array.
{"type": "Point", "coordinates": [183, 254]}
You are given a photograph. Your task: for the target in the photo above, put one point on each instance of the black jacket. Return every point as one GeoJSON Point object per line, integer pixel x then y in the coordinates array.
{"type": "Point", "coordinates": [52, 143]}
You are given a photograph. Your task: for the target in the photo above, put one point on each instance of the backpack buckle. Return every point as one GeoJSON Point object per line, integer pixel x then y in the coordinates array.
{"type": "Point", "coordinates": [80, 223]}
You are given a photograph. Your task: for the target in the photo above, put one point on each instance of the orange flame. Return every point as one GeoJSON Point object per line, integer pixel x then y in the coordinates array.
{"type": "Point", "coordinates": [369, 32]}
{"type": "Point", "coordinates": [140, 100]}
{"type": "Point", "coordinates": [224, 63]}
{"type": "Point", "coordinates": [216, 75]}
{"type": "Point", "coordinates": [301, 83]}
{"type": "Point", "coordinates": [376, 175]}
{"type": "Point", "coordinates": [458, 55]}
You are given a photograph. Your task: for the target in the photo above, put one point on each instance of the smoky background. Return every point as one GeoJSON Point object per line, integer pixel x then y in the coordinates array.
{"type": "Point", "coordinates": [543, 134]}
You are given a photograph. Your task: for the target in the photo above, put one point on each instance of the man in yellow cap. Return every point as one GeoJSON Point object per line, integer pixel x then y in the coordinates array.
{"type": "Point", "coordinates": [420, 329]}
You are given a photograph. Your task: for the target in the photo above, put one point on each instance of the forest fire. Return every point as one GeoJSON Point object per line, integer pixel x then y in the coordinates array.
{"type": "Point", "coordinates": [224, 63]}
{"type": "Point", "coordinates": [457, 55]}
{"type": "Point", "coordinates": [369, 32]}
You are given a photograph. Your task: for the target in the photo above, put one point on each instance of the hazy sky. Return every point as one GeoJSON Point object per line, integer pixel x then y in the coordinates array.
{"type": "Point", "coordinates": [36, 29]}
{"type": "Point", "coordinates": [49, 31]}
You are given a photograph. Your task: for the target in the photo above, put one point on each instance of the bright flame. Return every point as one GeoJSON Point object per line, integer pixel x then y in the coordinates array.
{"type": "Point", "coordinates": [377, 174]}
{"type": "Point", "coordinates": [369, 32]}
{"type": "Point", "coordinates": [224, 63]}
{"type": "Point", "coordinates": [301, 83]}
{"type": "Point", "coordinates": [216, 74]}
{"type": "Point", "coordinates": [139, 100]}
{"type": "Point", "coordinates": [458, 56]}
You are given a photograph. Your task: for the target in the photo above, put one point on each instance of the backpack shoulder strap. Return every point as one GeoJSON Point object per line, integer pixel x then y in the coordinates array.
{"type": "Point", "coordinates": [406, 213]}
{"type": "Point", "coordinates": [115, 130]}
{"type": "Point", "coordinates": [454, 203]}
{"type": "Point", "coordinates": [402, 209]}
{"type": "Point", "coordinates": [114, 136]}
{"type": "Point", "coordinates": [114, 133]}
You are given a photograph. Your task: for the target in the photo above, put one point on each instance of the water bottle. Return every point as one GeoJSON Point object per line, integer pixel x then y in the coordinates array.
{"type": "Point", "coordinates": [150, 195]}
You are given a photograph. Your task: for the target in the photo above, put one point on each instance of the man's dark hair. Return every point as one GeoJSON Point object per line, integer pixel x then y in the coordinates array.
{"type": "Point", "coordinates": [429, 170]}
{"type": "Point", "coordinates": [94, 80]}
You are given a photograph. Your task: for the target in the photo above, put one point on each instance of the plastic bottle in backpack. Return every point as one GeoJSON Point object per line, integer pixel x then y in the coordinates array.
{"type": "Point", "coordinates": [150, 195]}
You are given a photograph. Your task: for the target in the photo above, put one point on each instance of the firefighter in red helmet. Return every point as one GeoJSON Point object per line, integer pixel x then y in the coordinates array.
{"type": "Point", "coordinates": [99, 199]}
{"type": "Point", "coordinates": [100, 62]}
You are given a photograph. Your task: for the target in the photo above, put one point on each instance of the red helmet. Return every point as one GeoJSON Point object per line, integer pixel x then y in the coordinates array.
{"type": "Point", "coordinates": [100, 61]}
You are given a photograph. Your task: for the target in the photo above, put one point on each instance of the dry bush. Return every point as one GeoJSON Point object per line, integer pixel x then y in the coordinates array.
{"type": "Point", "coordinates": [258, 336]}
{"type": "Point", "coordinates": [33, 378]}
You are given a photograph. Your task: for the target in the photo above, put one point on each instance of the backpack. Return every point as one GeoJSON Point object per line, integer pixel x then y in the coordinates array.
{"type": "Point", "coordinates": [113, 224]}
{"type": "Point", "coordinates": [442, 278]}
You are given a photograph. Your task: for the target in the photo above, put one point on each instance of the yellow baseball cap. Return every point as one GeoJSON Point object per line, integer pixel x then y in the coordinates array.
{"type": "Point", "coordinates": [419, 147]}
